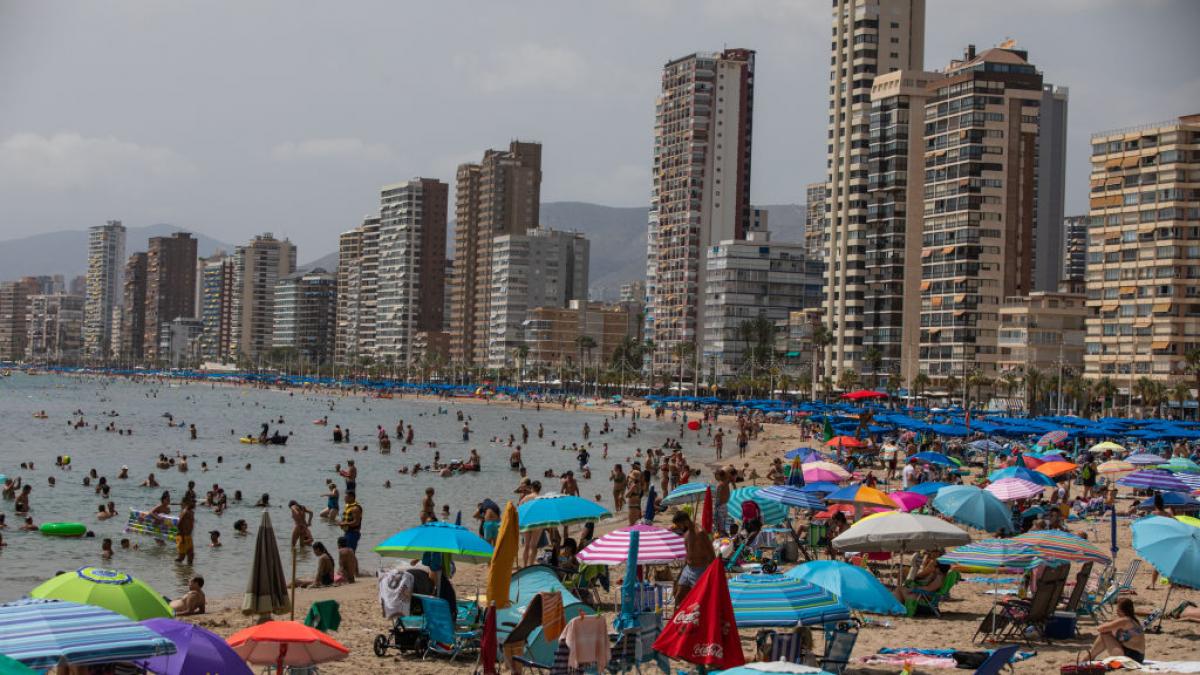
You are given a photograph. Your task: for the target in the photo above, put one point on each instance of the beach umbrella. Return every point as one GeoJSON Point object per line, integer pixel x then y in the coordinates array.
{"type": "Point", "coordinates": [627, 618]}
{"type": "Point", "coordinates": [804, 455]}
{"type": "Point", "coordinates": [1051, 457]}
{"type": "Point", "coordinates": [286, 643]}
{"type": "Point", "coordinates": [861, 495]}
{"type": "Point", "coordinates": [972, 506]}
{"type": "Point", "coordinates": [552, 510]}
{"type": "Point", "coordinates": [686, 493]}
{"type": "Point", "coordinates": [763, 600]}
{"type": "Point", "coordinates": [1022, 473]}
{"type": "Point", "coordinates": [1180, 465]}
{"type": "Point", "coordinates": [196, 651]}
{"type": "Point", "coordinates": [267, 588]}
{"type": "Point", "coordinates": [1106, 446]}
{"type": "Point", "coordinates": [1012, 489]}
{"type": "Point", "coordinates": [777, 667]}
{"type": "Point", "coordinates": [437, 537]}
{"type": "Point", "coordinates": [851, 511]}
{"type": "Point", "coordinates": [707, 519]}
{"type": "Point", "coordinates": [900, 533]}
{"type": "Point", "coordinates": [1145, 459]}
{"type": "Point", "coordinates": [928, 489]}
{"type": "Point", "coordinates": [1189, 520]}
{"type": "Point", "coordinates": [821, 476]}
{"type": "Point", "coordinates": [657, 546]}
{"type": "Point", "coordinates": [986, 445]}
{"type": "Point", "coordinates": [772, 512]}
{"type": "Point", "coordinates": [821, 487]}
{"type": "Point", "coordinates": [795, 474]}
{"type": "Point", "coordinates": [1191, 480]}
{"type": "Point", "coordinates": [1172, 547]}
{"type": "Point", "coordinates": [994, 554]}
{"type": "Point", "coordinates": [856, 587]}
{"type": "Point", "coordinates": [790, 495]}
{"type": "Point", "coordinates": [1176, 500]}
{"type": "Point", "coordinates": [1153, 479]}
{"type": "Point", "coordinates": [864, 395]}
{"type": "Point", "coordinates": [909, 501]}
{"type": "Point", "coordinates": [505, 554]}
{"type": "Point", "coordinates": [648, 510]}
{"type": "Point", "coordinates": [1060, 545]}
{"type": "Point", "coordinates": [39, 633]}
{"type": "Point", "coordinates": [489, 644]}
{"type": "Point", "coordinates": [1056, 469]}
{"type": "Point", "coordinates": [1031, 462]}
{"type": "Point", "coordinates": [1113, 466]}
{"type": "Point", "coordinates": [934, 458]}
{"type": "Point", "coordinates": [844, 442]}
{"type": "Point", "coordinates": [702, 630]}
{"type": "Point", "coordinates": [1053, 437]}
{"type": "Point", "coordinates": [110, 589]}
{"type": "Point", "coordinates": [12, 666]}
{"type": "Point", "coordinates": [822, 465]}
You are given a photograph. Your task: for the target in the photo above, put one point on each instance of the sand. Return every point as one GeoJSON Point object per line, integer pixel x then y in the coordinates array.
{"type": "Point", "coordinates": [961, 614]}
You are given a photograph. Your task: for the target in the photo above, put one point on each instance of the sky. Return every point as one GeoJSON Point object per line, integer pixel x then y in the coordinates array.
{"type": "Point", "coordinates": [233, 118]}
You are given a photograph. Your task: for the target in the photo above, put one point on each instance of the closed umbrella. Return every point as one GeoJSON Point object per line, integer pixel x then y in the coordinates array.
{"type": "Point", "coordinates": [994, 554]}
{"type": "Point", "coordinates": [267, 589]}
{"type": "Point", "coordinates": [772, 512]}
{"type": "Point", "coordinates": [790, 495]}
{"type": "Point", "coordinates": [500, 571]}
{"type": "Point", "coordinates": [286, 643]}
{"type": "Point", "coordinates": [649, 510]}
{"type": "Point", "coordinates": [656, 546]}
{"type": "Point", "coordinates": [900, 533]}
{"type": "Point", "coordinates": [196, 651]}
{"type": "Point", "coordinates": [553, 510]}
{"type": "Point", "coordinates": [972, 506]}
{"type": "Point", "coordinates": [1060, 545]}
{"type": "Point", "coordinates": [628, 615]}
{"type": "Point", "coordinates": [437, 537]}
{"type": "Point", "coordinates": [1153, 479]}
{"type": "Point", "coordinates": [1012, 489]}
{"type": "Point", "coordinates": [854, 586]}
{"type": "Point", "coordinates": [110, 589]}
{"type": "Point", "coordinates": [762, 600]}
{"type": "Point", "coordinates": [41, 633]}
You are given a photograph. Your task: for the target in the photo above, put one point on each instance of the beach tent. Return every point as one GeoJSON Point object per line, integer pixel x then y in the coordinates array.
{"type": "Point", "coordinates": [526, 584]}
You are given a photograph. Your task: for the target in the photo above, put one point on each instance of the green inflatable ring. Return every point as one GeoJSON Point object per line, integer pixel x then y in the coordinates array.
{"type": "Point", "coordinates": [63, 529]}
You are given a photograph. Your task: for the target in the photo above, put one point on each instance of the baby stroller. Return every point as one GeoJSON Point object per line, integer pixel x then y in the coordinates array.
{"type": "Point", "coordinates": [407, 633]}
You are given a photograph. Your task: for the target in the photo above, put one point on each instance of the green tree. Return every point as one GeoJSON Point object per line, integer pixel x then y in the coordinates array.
{"type": "Point", "coordinates": [682, 351]}
{"type": "Point", "coordinates": [920, 384]}
{"type": "Point", "coordinates": [1182, 393]}
{"type": "Point", "coordinates": [874, 362]}
{"type": "Point", "coordinates": [1106, 390]}
{"type": "Point", "coordinates": [847, 379]}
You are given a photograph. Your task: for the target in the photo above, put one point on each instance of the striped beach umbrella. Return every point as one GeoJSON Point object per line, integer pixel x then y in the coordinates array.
{"type": "Point", "coordinates": [40, 632]}
{"type": "Point", "coordinates": [1180, 465]}
{"type": "Point", "coordinates": [656, 546]}
{"type": "Point", "coordinates": [553, 510]}
{"type": "Point", "coordinates": [764, 600]}
{"type": "Point", "coordinates": [1012, 489]}
{"type": "Point", "coordinates": [1145, 459]}
{"type": "Point", "coordinates": [772, 512]}
{"type": "Point", "coordinates": [789, 495]}
{"type": "Point", "coordinates": [1114, 466]}
{"type": "Point", "coordinates": [1192, 480]}
{"type": "Point", "coordinates": [1153, 479]}
{"type": "Point", "coordinates": [685, 494]}
{"type": "Point", "coordinates": [1053, 437]}
{"type": "Point", "coordinates": [994, 554]}
{"type": "Point", "coordinates": [1060, 545]}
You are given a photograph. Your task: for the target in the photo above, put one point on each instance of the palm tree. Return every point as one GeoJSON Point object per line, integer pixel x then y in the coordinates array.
{"type": "Point", "coordinates": [522, 357]}
{"type": "Point", "coordinates": [821, 338]}
{"type": "Point", "coordinates": [1034, 381]}
{"type": "Point", "coordinates": [977, 380]}
{"type": "Point", "coordinates": [847, 379]}
{"type": "Point", "coordinates": [920, 383]}
{"type": "Point", "coordinates": [1182, 393]}
{"type": "Point", "coordinates": [1192, 367]}
{"type": "Point", "coordinates": [1107, 391]}
{"type": "Point", "coordinates": [759, 336]}
{"type": "Point", "coordinates": [585, 343]}
{"type": "Point", "coordinates": [1079, 391]}
{"type": "Point", "coordinates": [873, 359]}
{"type": "Point", "coordinates": [682, 351]}
{"type": "Point", "coordinates": [805, 383]}
{"type": "Point", "coordinates": [951, 384]}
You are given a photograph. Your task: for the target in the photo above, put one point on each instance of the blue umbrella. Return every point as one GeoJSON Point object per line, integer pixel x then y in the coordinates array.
{"type": "Point", "coordinates": [437, 537]}
{"type": "Point", "coordinates": [805, 455]}
{"type": "Point", "coordinates": [1172, 547]}
{"type": "Point", "coordinates": [854, 586]}
{"type": "Point", "coordinates": [821, 486]}
{"type": "Point", "coordinates": [772, 512]}
{"type": "Point", "coordinates": [779, 600]}
{"type": "Point", "coordinates": [553, 510]}
{"type": "Point", "coordinates": [986, 445]}
{"type": "Point", "coordinates": [1171, 500]}
{"type": "Point", "coordinates": [628, 616]}
{"type": "Point", "coordinates": [792, 496]}
{"type": "Point", "coordinates": [934, 458]}
{"type": "Point", "coordinates": [972, 506]}
{"type": "Point", "coordinates": [40, 632]}
{"type": "Point", "coordinates": [1024, 474]}
{"type": "Point", "coordinates": [928, 489]}
{"type": "Point", "coordinates": [688, 492]}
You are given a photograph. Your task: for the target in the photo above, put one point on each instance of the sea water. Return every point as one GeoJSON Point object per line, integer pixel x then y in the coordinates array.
{"type": "Point", "coordinates": [222, 414]}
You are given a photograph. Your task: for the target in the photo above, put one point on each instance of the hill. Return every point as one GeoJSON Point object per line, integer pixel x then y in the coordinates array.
{"type": "Point", "coordinates": [65, 252]}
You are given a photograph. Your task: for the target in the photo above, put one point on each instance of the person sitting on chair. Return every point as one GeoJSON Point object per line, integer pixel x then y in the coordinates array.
{"type": "Point", "coordinates": [929, 578]}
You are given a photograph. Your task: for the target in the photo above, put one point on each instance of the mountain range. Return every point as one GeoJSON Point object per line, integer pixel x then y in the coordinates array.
{"type": "Point", "coordinates": [617, 236]}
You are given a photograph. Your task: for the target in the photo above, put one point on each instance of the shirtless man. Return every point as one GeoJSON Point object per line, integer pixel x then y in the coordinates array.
{"type": "Point", "coordinates": [699, 554]}
{"type": "Point", "coordinates": [192, 602]}
{"type": "Point", "coordinates": [351, 522]}
{"type": "Point", "coordinates": [21, 505]}
{"type": "Point", "coordinates": [301, 522]}
{"type": "Point", "coordinates": [350, 473]}
{"type": "Point", "coordinates": [721, 501]}
{"type": "Point", "coordinates": [183, 541]}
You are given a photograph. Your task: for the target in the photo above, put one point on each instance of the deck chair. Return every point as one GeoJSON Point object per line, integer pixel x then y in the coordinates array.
{"type": "Point", "coordinates": [839, 643]}
{"type": "Point", "coordinates": [792, 647]}
{"type": "Point", "coordinates": [998, 660]}
{"type": "Point", "coordinates": [931, 600]}
{"type": "Point", "coordinates": [818, 538]}
{"type": "Point", "coordinates": [444, 639]}
{"type": "Point", "coordinates": [1121, 582]}
{"type": "Point", "coordinates": [635, 646]}
{"type": "Point", "coordinates": [735, 559]}
{"type": "Point", "coordinates": [1080, 589]}
{"type": "Point", "coordinates": [1028, 619]}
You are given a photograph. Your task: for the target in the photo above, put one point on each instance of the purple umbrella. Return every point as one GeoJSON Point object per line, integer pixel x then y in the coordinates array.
{"type": "Point", "coordinates": [197, 651]}
{"type": "Point", "coordinates": [1153, 479]}
{"type": "Point", "coordinates": [1144, 459]}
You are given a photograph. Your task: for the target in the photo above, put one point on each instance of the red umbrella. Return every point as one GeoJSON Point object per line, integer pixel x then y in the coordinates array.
{"type": "Point", "coordinates": [845, 442]}
{"type": "Point", "coordinates": [281, 643]}
{"type": "Point", "coordinates": [489, 645]}
{"type": "Point", "coordinates": [1031, 462]}
{"type": "Point", "coordinates": [703, 630]}
{"type": "Point", "coordinates": [694, 425]}
{"type": "Point", "coordinates": [864, 394]}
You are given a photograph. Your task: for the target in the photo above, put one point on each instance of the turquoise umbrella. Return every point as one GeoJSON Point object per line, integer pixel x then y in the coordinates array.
{"type": "Point", "coordinates": [1171, 546]}
{"type": "Point", "coordinates": [779, 600]}
{"type": "Point", "coordinates": [553, 510]}
{"type": "Point", "coordinates": [685, 494]}
{"type": "Point", "coordinates": [994, 554]}
{"type": "Point", "coordinates": [1174, 465]}
{"type": "Point", "coordinates": [853, 585]}
{"type": "Point", "coordinates": [1022, 473]}
{"type": "Point", "coordinates": [772, 511]}
{"type": "Point", "coordinates": [437, 537]}
{"type": "Point", "coordinates": [972, 506]}
{"type": "Point", "coordinates": [39, 633]}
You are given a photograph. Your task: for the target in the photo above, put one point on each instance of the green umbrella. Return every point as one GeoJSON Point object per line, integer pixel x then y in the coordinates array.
{"type": "Point", "coordinates": [12, 667]}
{"type": "Point", "coordinates": [110, 589]}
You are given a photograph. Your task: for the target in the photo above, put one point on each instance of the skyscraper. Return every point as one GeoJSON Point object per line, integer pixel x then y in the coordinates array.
{"type": "Point", "coordinates": [306, 315]}
{"type": "Point", "coordinates": [870, 38]}
{"type": "Point", "coordinates": [412, 255]}
{"type": "Point", "coordinates": [701, 187]}
{"type": "Point", "coordinates": [55, 328]}
{"type": "Point", "coordinates": [1075, 248]}
{"type": "Point", "coordinates": [14, 296]}
{"type": "Point", "coordinates": [1051, 186]}
{"type": "Point", "coordinates": [170, 286]}
{"type": "Point", "coordinates": [357, 290]}
{"type": "Point", "coordinates": [257, 267]}
{"type": "Point", "coordinates": [216, 306]}
{"type": "Point", "coordinates": [106, 260]}
{"type": "Point", "coordinates": [130, 338]}
{"type": "Point", "coordinates": [814, 220]}
{"type": "Point", "coordinates": [500, 195]}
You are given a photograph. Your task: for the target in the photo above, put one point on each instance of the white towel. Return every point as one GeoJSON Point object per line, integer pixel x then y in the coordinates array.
{"type": "Point", "coordinates": [395, 593]}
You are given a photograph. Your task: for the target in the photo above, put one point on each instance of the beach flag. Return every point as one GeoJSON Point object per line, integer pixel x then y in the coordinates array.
{"type": "Point", "coordinates": [706, 512]}
{"type": "Point", "coordinates": [703, 630]}
{"type": "Point", "coordinates": [827, 431]}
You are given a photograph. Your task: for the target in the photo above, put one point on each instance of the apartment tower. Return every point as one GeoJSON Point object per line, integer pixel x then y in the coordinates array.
{"type": "Point", "coordinates": [357, 293]}
{"type": "Point", "coordinates": [106, 260]}
{"type": "Point", "coordinates": [814, 220]}
{"type": "Point", "coordinates": [869, 38]}
{"type": "Point", "coordinates": [257, 267]}
{"type": "Point", "coordinates": [55, 328]}
{"type": "Point", "coordinates": [701, 187]}
{"type": "Point", "coordinates": [14, 302]}
{"type": "Point", "coordinates": [499, 196]}
{"type": "Point", "coordinates": [306, 316]}
{"type": "Point", "coordinates": [1143, 279]}
{"type": "Point", "coordinates": [170, 287]}
{"type": "Point", "coordinates": [1051, 185]}
{"type": "Point", "coordinates": [216, 306]}
{"type": "Point", "coordinates": [131, 335]}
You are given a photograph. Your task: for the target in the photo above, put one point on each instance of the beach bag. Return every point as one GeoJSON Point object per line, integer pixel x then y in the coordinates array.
{"type": "Point", "coordinates": [1082, 667]}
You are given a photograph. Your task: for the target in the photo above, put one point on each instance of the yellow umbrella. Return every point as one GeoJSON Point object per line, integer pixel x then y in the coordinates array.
{"type": "Point", "coordinates": [1106, 445]}
{"type": "Point", "coordinates": [503, 557]}
{"type": "Point", "coordinates": [1115, 466]}
{"type": "Point", "coordinates": [1194, 522]}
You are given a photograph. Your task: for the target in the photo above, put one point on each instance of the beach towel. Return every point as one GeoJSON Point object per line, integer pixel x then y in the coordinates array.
{"type": "Point", "coordinates": [1170, 666]}
{"type": "Point", "coordinates": [553, 620]}
{"type": "Point", "coordinates": [587, 638]}
{"type": "Point", "coordinates": [395, 593]}
{"type": "Point", "coordinates": [324, 615]}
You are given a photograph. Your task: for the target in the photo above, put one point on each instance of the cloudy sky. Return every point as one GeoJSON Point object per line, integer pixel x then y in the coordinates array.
{"type": "Point", "coordinates": [234, 117]}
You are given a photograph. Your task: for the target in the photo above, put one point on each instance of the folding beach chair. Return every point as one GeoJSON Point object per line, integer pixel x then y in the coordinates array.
{"type": "Point", "coordinates": [443, 638]}
{"type": "Point", "coordinates": [931, 600]}
{"type": "Point", "coordinates": [790, 647]}
{"type": "Point", "coordinates": [839, 643]}
{"type": "Point", "coordinates": [1121, 582]}
{"type": "Point", "coordinates": [1020, 619]}
{"type": "Point", "coordinates": [635, 646]}
{"type": "Point", "coordinates": [1079, 590]}
{"type": "Point", "coordinates": [997, 661]}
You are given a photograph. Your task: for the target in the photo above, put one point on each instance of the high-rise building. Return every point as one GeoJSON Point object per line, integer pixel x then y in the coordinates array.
{"type": "Point", "coordinates": [892, 237]}
{"type": "Point", "coordinates": [170, 286]}
{"type": "Point", "coordinates": [1050, 185]}
{"type": "Point", "coordinates": [870, 38]}
{"type": "Point", "coordinates": [499, 196]}
{"type": "Point", "coordinates": [541, 268]}
{"type": "Point", "coordinates": [1143, 281]}
{"type": "Point", "coordinates": [633, 291]}
{"type": "Point", "coordinates": [357, 291]}
{"type": "Point", "coordinates": [130, 338]}
{"type": "Point", "coordinates": [180, 341]}
{"type": "Point", "coordinates": [701, 186]}
{"type": "Point", "coordinates": [412, 255]}
{"type": "Point", "coordinates": [1074, 248]}
{"type": "Point", "coordinates": [78, 285]}
{"type": "Point", "coordinates": [306, 315]}
{"type": "Point", "coordinates": [106, 260]}
{"type": "Point", "coordinates": [552, 334]}
{"type": "Point", "coordinates": [216, 306]}
{"type": "Point", "coordinates": [257, 267]}
{"type": "Point", "coordinates": [981, 133]}
{"type": "Point", "coordinates": [815, 196]}
{"type": "Point", "coordinates": [748, 280]}
{"type": "Point", "coordinates": [54, 328]}
{"type": "Point", "coordinates": [14, 302]}
{"type": "Point", "coordinates": [1042, 331]}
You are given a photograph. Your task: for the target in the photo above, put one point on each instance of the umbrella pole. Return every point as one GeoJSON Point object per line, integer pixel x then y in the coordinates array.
{"type": "Point", "coordinates": [293, 583]}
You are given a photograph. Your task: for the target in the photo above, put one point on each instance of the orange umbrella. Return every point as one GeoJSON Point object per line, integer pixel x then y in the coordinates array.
{"type": "Point", "coordinates": [1056, 469]}
{"type": "Point", "coordinates": [290, 643]}
{"type": "Point", "coordinates": [845, 442]}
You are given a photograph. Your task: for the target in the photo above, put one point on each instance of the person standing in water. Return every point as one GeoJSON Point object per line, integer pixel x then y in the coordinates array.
{"type": "Point", "coordinates": [184, 545]}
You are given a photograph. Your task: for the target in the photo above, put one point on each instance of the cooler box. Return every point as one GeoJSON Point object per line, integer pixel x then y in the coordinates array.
{"type": "Point", "coordinates": [1061, 626]}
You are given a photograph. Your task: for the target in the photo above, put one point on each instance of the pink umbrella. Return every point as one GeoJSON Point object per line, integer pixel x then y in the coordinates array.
{"type": "Point", "coordinates": [816, 475]}
{"type": "Point", "coordinates": [656, 546]}
{"type": "Point", "coordinates": [908, 500]}
{"type": "Point", "coordinates": [1011, 489]}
